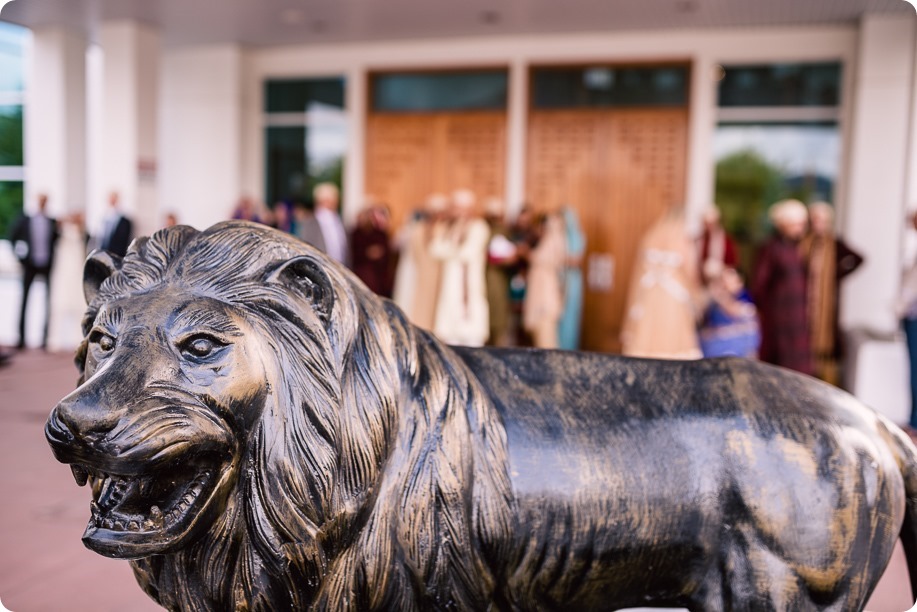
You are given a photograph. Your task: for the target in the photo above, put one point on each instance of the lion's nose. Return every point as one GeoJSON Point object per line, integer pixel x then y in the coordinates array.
{"type": "Point", "coordinates": [79, 420]}
{"type": "Point", "coordinates": [57, 431]}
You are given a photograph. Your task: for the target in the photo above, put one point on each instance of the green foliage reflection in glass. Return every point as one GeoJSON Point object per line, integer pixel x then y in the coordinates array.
{"type": "Point", "coordinates": [746, 185]}
{"type": "Point", "coordinates": [11, 135]}
{"type": "Point", "coordinates": [11, 194]}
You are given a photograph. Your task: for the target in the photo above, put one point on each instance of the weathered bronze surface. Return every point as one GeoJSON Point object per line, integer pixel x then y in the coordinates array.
{"type": "Point", "coordinates": [261, 432]}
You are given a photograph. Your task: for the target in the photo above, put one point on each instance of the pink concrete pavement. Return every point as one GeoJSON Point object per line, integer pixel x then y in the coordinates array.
{"type": "Point", "coordinates": [43, 564]}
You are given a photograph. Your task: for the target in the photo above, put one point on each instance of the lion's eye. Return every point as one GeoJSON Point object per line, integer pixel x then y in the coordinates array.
{"type": "Point", "coordinates": [105, 342]}
{"type": "Point", "coordinates": [201, 346]}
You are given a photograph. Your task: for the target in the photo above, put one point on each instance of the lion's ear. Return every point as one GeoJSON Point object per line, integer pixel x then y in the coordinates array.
{"type": "Point", "coordinates": [99, 266]}
{"type": "Point", "coordinates": [305, 275]}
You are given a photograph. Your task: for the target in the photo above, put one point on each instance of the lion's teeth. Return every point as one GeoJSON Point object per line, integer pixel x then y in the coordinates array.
{"type": "Point", "coordinates": [96, 485]}
{"type": "Point", "coordinates": [156, 518]}
{"type": "Point", "coordinates": [146, 486]}
{"type": "Point", "coordinates": [133, 526]}
{"type": "Point", "coordinates": [80, 474]}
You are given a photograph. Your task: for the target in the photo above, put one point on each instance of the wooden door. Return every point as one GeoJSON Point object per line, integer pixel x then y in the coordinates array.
{"type": "Point", "coordinates": [621, 170]}
{"type": "Point", "coordinates": [412, 155]}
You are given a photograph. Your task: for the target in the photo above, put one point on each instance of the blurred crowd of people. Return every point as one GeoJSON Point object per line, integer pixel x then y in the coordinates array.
{"type": "Point", "coordinates": [688, 298]}
{"type": "Point", "coordinates": [470, 277]}
{"type": "Point", "coordinates": [476, 279]}
{"type": "Point", "coordinates": [460, 269]}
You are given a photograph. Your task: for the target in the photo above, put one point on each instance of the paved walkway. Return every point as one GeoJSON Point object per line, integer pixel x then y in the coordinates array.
{"type": "Point", "coordinates": [43, 564]}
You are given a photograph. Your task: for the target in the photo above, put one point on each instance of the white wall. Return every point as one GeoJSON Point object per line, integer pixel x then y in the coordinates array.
{"type": "Point", "coordinates": [200, 133]}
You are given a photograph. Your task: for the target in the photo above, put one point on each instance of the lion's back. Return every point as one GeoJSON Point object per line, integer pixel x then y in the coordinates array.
{"type": "Point", "coordinates": [563, 392]}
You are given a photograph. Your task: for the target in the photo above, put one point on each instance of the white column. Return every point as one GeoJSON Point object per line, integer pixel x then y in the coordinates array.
{"type": "Point", "coordinates": [251, 160]}
{"type": "Point", "coordinates": [702, 111]}
{"type": "Point", "coordinates": [128, 127]}
{"type": "Point", "coordinates": [200, 133]}
{"type": "Point", "coordinates": [516, 132]}
{"type": "Point", "coordinates": [355, 158]}
{"type": "Point", "coordinates": [909, 246]}
{"type": "Point", "coordinates": [55, 120]}
{"type": "Point", "coordinates": [877, 171]}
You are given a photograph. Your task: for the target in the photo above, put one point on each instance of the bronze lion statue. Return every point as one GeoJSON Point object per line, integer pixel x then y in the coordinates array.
{"type": "Point", "coordinates": [260, 432]}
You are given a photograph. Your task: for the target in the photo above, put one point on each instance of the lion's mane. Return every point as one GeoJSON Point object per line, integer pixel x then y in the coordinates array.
{"type": "Point", "coordinates": [375, 474]}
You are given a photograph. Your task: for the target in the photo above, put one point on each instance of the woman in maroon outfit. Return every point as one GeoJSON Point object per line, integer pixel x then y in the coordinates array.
{"type": "Point", "coordinates": [370, 250]}
{"type": "Point", "coordinates": [779, 290]}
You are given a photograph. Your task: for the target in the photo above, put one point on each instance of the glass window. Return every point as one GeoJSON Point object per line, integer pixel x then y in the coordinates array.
{"type": "Point", "coordinates": [12, 41]}
{"type": "Point", "coordinates": [778, 137]}
{"type": "Point", "coordinates": [817, 84]}
{"type": "Point", "coordinates": [603, 86]}
{"type": "Point", "coordinates": [11, 200]}
{"type": "Point", "coordinates": [11, 135]}
{"type": "Point", "coordinates": [296, 95]}
{"type": "Point", "coordinates": [305, 136]}
{"type": "Point", "coordinates": [440, 91]}
{"type": "Point", "coordinates": [298, 157]}
{"type": "Point", "coordinates": [12, 65]}
{"type": "Point", "coordinates": [758, 165]}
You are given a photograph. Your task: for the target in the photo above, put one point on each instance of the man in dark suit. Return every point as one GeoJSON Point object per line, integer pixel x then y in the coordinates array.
{"type": "Point", "coordinates": [118, 229]}
{"type": "Point", "coordinates": [34, 238]}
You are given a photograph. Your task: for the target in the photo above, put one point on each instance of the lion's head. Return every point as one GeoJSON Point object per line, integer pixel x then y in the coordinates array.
{"type": "Point", "coordinates": [242, 400]}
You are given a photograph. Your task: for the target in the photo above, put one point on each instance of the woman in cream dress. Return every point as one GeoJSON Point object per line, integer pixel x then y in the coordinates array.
{"type": "Point", "coordinates": [661, 316]}
{"type": "Point", "coordinates": [544, 296]}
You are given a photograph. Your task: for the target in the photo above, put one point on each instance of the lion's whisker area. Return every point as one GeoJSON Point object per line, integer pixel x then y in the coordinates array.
{"type": "Point", "coordinates": [257, 430]}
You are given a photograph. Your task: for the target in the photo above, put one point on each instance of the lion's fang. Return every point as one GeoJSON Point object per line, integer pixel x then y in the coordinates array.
{"type": "Point", "coordinates": [80, 474]}
{"type": "Point", "coordinates": [94, 508]}
{"type": "Point", "coordinates": [146, 486]}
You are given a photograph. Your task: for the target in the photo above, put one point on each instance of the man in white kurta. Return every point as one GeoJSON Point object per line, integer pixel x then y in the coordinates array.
{"type": "Point", "coordinates": [462, 312]}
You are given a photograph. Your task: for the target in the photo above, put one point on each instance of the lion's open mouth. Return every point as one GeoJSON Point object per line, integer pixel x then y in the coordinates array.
{"type": "Point", "coordinates": [134, 516]}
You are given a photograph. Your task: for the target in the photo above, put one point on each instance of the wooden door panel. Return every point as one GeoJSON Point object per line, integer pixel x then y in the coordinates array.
{"type": "Point", "coordinates": [621, 169]}
{"type": "Point", "coordinates": [410, 156]}
{"type": "Point", "coordinates": [398, 166]}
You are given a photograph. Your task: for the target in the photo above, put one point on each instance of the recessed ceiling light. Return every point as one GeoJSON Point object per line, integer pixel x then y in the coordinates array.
{"type": "Point", "coordinates": [686, 6]}
{"type": "Point", "coordinates": [489, 17]}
